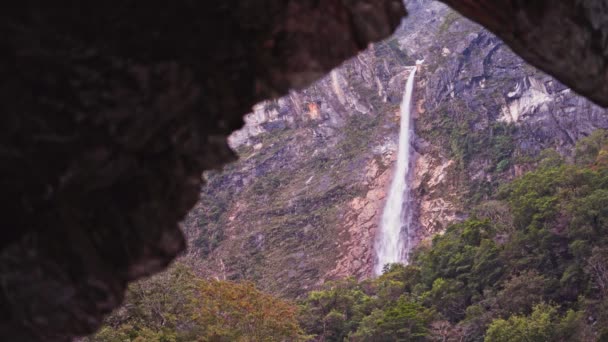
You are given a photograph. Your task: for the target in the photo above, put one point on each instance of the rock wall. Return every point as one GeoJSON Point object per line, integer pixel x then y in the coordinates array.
{"type": "Point", "coordinates": [556, 36]}
{"type": "Point", "coordinates": [485, 116]}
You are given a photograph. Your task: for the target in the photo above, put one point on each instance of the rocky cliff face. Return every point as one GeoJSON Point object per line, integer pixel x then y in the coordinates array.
{"type": "Point", "coordinates": [485, 116]}
{"type": "Point", "coordinates": [302, 204]}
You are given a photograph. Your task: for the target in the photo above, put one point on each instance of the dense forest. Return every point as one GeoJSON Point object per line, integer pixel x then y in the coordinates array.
{"type": "Point", "coordinates": [529, 265]}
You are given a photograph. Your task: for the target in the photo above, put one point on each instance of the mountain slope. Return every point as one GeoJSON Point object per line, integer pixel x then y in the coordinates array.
{"type": "Point", "coordinates": [302, 204]}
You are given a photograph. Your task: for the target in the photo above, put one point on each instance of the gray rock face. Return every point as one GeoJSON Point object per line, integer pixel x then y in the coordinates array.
{"type": "Point", "coordinates": [483, 108]}
{"type": "Point", "coordinates": [565, 38]}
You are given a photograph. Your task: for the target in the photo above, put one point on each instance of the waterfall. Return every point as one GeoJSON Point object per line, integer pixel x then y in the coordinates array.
{"type": "Point", "coordinates": [393, 244]}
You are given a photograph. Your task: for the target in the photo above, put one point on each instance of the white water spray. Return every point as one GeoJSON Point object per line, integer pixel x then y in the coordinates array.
{"type": "Point", "coordinates": [393, 244]}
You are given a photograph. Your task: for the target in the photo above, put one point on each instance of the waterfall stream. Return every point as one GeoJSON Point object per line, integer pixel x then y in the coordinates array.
{"type": "Point", "coordinates": [393, 244]}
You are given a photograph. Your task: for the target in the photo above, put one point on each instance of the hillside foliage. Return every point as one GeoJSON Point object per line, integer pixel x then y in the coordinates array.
{"type": "Point", "coordinates": [529, 265]}
{"type": "Point", "coordinates": [178, 306]}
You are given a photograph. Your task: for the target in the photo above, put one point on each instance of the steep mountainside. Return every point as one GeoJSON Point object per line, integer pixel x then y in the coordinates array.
{"type": "Point", "coordinates": [302, 204]}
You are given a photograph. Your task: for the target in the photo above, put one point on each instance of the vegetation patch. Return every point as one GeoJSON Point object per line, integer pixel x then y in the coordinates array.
{"type": "Point", "coordinates": [528, 266]}
{"type": "Point", "coordinates": [178, 306]}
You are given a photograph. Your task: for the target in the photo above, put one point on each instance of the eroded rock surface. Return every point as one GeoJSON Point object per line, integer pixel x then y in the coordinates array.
{"type": "Point", "coordinates": [565, 38]}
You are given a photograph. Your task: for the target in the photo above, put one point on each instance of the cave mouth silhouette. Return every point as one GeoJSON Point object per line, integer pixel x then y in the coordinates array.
{"type": "Point", "coordinates": [111, 112]}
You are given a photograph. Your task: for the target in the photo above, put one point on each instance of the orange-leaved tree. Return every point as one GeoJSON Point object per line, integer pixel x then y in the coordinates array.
{"type": "Point", "coordinates": [178, 306]}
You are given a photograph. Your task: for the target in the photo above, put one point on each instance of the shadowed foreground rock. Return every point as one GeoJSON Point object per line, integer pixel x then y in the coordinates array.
{"type": "Point", "coordinates": [567, 39]}
{"type": "Point", "coordinates": [110, 113]}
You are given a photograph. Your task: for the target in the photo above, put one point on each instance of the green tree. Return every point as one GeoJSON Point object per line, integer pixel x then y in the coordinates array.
{"type": "Point", "coordinates": [404, 321]}
{"type": "Point", "coordinates": [540, 326]}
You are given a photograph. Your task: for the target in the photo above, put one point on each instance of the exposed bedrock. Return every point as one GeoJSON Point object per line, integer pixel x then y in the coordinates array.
{"type": "Point", "coordinates": [567, 39]}
{"type": "Point", "coordinates": [110, 113]}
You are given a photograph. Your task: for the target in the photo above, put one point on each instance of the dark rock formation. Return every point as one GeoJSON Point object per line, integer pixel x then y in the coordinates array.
{"type": "Point", "coordinates": [566, 38]}
{"type": "Point", "coordinates": [110, 113]}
